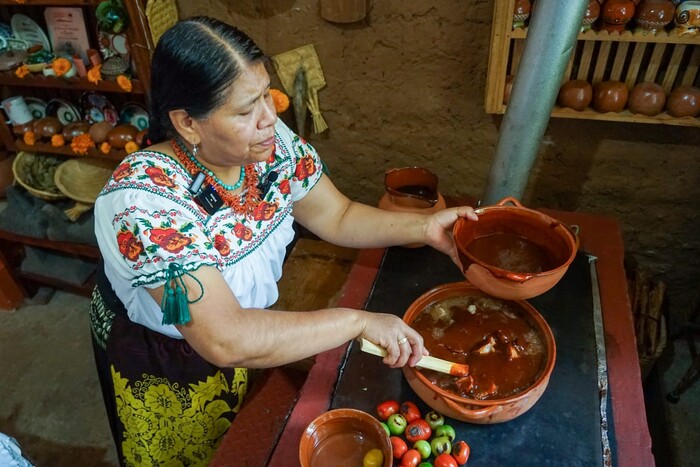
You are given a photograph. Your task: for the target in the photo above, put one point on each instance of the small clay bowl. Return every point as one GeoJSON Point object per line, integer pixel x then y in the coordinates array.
{"type": "Point", "coordinates": [647, 99]}
{"type": "Point", "coordinates": [610, 96]}
{"type": "Point", "coordinates": [343, 437]}
{"type": "Point", "coordinates": [684, 101]}
{"type": "Point", "coordinates": [575, 94]}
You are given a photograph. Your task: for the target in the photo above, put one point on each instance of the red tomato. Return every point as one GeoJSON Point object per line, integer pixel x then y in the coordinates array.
{"type": "Point", "coordinates": [398, 447]}
{"type": "Point", "coordinates": [410, 411]}
{"type": "Point", "coordinates": [445, 460]}
{"type": "Point", "coordinates": [416, 430]}
{"type": "Point", "coordinates": [387, 409]}
{"type": "Point", "coordinates": [411, 459]}
{"type": "Point", "coordinates": [460, 451]}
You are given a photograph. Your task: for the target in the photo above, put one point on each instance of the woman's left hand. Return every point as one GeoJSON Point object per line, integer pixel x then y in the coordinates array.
{"type": "Point", "coordinates": [438, 231]}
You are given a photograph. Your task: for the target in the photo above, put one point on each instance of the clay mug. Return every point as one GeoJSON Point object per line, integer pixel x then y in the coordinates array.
{"type": "Point", "coordinates": [616, 14]}
{"type": "Point", "coordinates": [653, 15]}
{"type": "Point", "coordinates": [688, 17]}
{"type": "Point", "coordinates": [647, 98]}
{"type": "Point", "coordinates": [684, 101]}
{"type": "Point", "coordinates": [575, 94]}
{"type": "Point", "coordinates": [17, 110]}
{"type": "Point", "coordinates": [610, 96]}
{"type": "Point", "coordinates": [591, 15]}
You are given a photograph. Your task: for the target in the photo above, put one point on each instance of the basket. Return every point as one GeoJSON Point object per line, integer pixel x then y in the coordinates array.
{"type": "Point", "coordinates": [82, 179]}
{"type": "Point", "coordinates": [26, 164]}
{"type": "Point", "coordinates": [161, 14]}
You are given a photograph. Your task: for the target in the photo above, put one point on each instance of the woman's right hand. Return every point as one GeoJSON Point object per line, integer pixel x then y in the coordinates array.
{"type": "Point", "coordinates": [403, 344]}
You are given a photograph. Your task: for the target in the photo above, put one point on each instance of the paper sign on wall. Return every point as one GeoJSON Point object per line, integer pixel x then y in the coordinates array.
{"type": "Point", "coordinates": [67, 31]}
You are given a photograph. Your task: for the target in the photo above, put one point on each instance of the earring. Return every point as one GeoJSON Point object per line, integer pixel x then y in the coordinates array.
{"type": "Point", "coordinates": [195, 148]}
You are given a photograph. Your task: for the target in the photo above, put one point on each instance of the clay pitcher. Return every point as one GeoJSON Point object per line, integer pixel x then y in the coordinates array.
{"type": "Point", "coordinates": [411, 189]}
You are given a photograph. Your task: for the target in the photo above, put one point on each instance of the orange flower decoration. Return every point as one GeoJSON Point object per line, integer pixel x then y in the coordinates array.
{"type": "Point", "coordinates": [22, 71]}
{"type": "Point", "coordinates": [105, 147]}
{"type": "Point", "coordinates": [280, 99]}
{"type": "Point", "coordinates": [131, 146]}
{"type": "Point", "coordinates": [94, 74]}
{"type": "Point", "coordinates": [61, 66]}
{"type": "Point", "coordinates": [124, 82]}
{"type": "Point", "coordinates": [29, 138]}
{"type": "Point", "coordinates": [82, 143]}
{"type": "Point", "coordinates": [57, 140]}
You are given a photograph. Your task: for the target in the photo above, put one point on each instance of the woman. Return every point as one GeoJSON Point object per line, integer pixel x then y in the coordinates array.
{"type": "Point", "coordinates": [193, 232]}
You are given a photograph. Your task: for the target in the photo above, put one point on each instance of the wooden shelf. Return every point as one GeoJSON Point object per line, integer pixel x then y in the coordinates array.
{"type": "Point", "coordinates": [84, 289]}
{"type": "Point", "coordinates": [114, 154]}
{"type": "Point", "coordinates": [79, 249]}
{"type": "Point", "coordinates": [38, 80]}
{"type": "Point", "coordinates": [668, 58]}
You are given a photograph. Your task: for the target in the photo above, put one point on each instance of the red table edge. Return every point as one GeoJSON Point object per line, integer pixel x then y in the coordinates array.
{"type": "Point", "coordinates": [601, 237]}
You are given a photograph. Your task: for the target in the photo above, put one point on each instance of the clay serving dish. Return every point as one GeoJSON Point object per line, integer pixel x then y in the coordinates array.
{"type": "Point", "coordinates": [553, 246]}
{"type": "Point", "coordinates": [473, 410]}
{"type": "Point", "coordinates": [342, 437]}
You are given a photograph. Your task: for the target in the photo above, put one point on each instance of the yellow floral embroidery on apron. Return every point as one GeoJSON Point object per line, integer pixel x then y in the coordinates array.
{"type": "Point", "coordinates": [181, 426]}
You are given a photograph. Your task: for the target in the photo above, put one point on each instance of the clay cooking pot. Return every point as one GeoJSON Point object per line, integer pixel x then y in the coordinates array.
{"type": "Point", "coordinates": [610, 96]}
{"type": "Point", "coordinates": [552, 237]}
{"type": "Point", "coordinates": [478, 411]}
{"type": "Point", "coordinates": [684, 101]}
{"type": "Point", "coordinates": [647, 98]}
{"type": "Point", "coordinates": [575, 94]}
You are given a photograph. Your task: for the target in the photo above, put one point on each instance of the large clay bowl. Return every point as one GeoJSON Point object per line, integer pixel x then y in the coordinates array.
{"type": "Point", "coordinates": [342, 437]}
{"type": "Point", "coordinates": [552, 236]}
{"type": "Point", "coordinates": [474, 410]}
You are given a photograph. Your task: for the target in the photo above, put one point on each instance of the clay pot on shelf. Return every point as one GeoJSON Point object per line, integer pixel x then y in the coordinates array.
{"type": "Point", "coordinates": [684, 101]}
{"type": "Point", "coordinates": [411, 189]}
{"type": "Point", "coordinates": [591, 15]}
{"type": "Point", "coordinates": [19, 130]}
{"type": "Point", "coordinates": [118, 136]}
{"type": "Point", "coordinates": [74, 129]}
{"type": "Point", "coordinates": [46, 127]}
{"type": "Point", "coordinates": [615, 14]}
{"type": "Point", "coordinates": [647, 98]}
{"type": "Point", "coordinates": [687, 17]}
{"type": "Point", "coordinates": [521, 13]}
{"type": "Point", "coordinates": [575, 94]}
{"type": "Point", "coordinates": [99, 131]}
{"type": "Point", "coordinates": [610, 96]}
{"type": "Point", "coordinates": [652, 16]}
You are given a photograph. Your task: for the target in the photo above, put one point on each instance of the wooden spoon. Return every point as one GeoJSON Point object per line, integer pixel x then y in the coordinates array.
{"type": "Point", "coordinates": [427, 362]}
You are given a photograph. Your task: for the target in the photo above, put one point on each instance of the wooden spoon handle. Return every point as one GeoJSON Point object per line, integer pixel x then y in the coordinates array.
{"type": "Point", "coordinates": [427, 362]}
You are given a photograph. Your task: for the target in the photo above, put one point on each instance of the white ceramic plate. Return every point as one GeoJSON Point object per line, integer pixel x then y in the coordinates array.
{"type": "Point", "coordinates": [23, 27]}
{"type": "Point", "coordinates": [135, 115]}
{"type": "Point", "coordinates": [5, 30]}
{"type": "Point", "coordinates": [36, 107]}
{"type": "Point", "coordinates": [63, 110]}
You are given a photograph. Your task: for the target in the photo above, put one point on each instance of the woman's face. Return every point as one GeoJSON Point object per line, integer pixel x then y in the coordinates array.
{"type": "Point", "coordinates": [242, 130]}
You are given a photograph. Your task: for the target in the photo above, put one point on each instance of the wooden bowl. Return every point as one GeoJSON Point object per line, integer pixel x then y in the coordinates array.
{"type": "Point", "coordinates": [553, 247]}
{"type": "Point", "coordinates": [479, 411]}
{"type": "Point", "coordinates": [343, 437]}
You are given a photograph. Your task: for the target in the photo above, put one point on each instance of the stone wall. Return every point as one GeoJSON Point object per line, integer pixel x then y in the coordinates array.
{"type": "Point", "coordinates": [406, 87]}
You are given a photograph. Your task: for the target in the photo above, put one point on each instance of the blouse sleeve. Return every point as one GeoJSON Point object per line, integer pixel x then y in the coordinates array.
{"type": "Point", "coordinates": [308, 167]}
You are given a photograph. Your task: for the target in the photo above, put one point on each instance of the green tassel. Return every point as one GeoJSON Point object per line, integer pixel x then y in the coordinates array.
{"type": "Point", "coordinates": [175, 305]}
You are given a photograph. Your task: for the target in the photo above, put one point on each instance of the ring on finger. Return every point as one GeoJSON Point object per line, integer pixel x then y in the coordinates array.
{"type": "Point", "coordinates": [403, 340]}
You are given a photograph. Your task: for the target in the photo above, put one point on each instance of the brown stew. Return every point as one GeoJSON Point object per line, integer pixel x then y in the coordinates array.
{"type": "Point", "coordinates": [505, 351]}
{"type": "Point", "coordinates": [511, 252]}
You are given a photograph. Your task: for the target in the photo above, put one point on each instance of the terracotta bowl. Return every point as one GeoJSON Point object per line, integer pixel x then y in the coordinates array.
{"type": "Point", "coordinates": [342, 437]}
{"type": "Point", "coordinates": [477, 411]}
{"type": "Point", "coordinates": [554, 239]}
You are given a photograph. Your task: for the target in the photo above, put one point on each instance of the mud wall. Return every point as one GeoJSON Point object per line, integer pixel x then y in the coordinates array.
{"type": "Point", "coordinates": [406, 87]}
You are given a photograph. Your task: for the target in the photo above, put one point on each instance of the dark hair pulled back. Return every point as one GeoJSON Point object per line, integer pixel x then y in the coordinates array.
{"type": "Point", "coordinates": [193, 67]}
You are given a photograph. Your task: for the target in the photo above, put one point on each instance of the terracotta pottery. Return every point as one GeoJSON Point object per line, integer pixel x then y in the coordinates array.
{"type": "Point", "coordinates": [99, 131]}
{"type": "Point", "coordinates": [591, 15]}
{"type": "Point", "coordinates": [521, 12]}
{"type": "Point", "coordinates": [74, 129]}
{"type": "Point", "coordinates": [575, 94]}
{"type": "Point", "coordinates": [647, 99]}
{"type": "Point", "coordinates": [687, 18]}
{"type": "Point", "coordinates": [19, 130]}
{"type": "Point", "coordinates": [610, 96]}
{"type": "Point", "coordinates": [343, 437]}
{"type": "Point", "coordinates": [118, 136]}
{"type": "Point", "coordinates": [488, 411]}
{"type": "Point", "coordinates": [684, 101]}
{"type": "Point", "coordinates": [652, 16]}
{"type": "Point", "coordinates": [555, 241]}
{"type": "Point", "coordinates": [615, 14]}
{"type": "Point", "coordinates": [411, 189]}
{"type": "Point", "coordinates": [47, 127]}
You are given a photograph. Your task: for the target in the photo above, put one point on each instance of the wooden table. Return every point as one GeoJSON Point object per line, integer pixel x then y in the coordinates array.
{"type": "Point", "coordinates": [277, 445]}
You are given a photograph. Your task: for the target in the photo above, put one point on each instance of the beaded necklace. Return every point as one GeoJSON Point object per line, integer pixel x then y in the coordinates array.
{"type": "Point", "coordinates": [240, 204]}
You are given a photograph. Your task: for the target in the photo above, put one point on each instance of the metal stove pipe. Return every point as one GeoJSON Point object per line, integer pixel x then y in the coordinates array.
{"type": "Point", "coordinates": [551, 39]}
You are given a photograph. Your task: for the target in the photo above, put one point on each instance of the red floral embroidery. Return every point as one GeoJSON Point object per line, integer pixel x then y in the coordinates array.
{"type": "Point", "coordinates": [284, 187]}
{"type": "Point", "coordinates": [265, 211]}
{"type": "Point", "coordinates": [242, 232]}
{"type": "Point", "coordinates": [159, 177]}
{"type": "Point", "coordinates": [221, 244]}
{"type": "Point", "coordinates": [129, 246]}
{"type": "Point", "coordinates": [305, 167]}
{"type": "Point", "coordinates": [170, 239]}
{"type": "Point", "coordinates": [123, 171]}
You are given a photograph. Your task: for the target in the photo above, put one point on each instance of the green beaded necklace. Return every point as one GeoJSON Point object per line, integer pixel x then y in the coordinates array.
{"type": "Point", "coordinates": [211, 174]}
